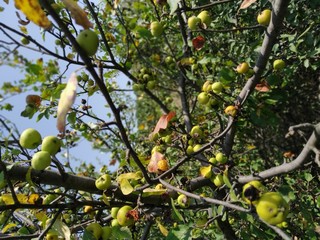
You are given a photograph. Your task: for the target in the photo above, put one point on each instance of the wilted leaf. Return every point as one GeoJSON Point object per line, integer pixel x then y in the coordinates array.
{"type": "Point", "coordinates": [78, 14]}
{"type": "Point", "coordinates": [34, 100]}
{"type": "Point", "coordinates": [163, 122]}
{"type": "Point", "coordinates": [198, 42]}
{"type": "Point", "coordinates": [173, 4]}
{"type": "Point", "coordinates": [62, 229]}
{"type": "Point", "coordinates": [34, 12]}
{"type": "Point", "coordinates": [67, 98]}
{"type": "Point", "coordinates": [22, 198]}
{"type": "Point", "coordinates": [246, 3]}
{"type": "Point", "coordinates": [131, 175]}
{"type": "Point", "coordinates": [263, 86]}
{"type": "Point", "coordinates": [153, 164]}
{"type": "Point", "coordinates": [125, 186]}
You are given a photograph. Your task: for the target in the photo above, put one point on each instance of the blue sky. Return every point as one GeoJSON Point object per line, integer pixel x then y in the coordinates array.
{"type": "Point", "coordinates": [46, 127]}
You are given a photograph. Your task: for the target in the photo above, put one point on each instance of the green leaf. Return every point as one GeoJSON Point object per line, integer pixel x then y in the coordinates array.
{"type": "Point", "coordinates": [72, 117]}
{"type": "Point", "coordinates": [181, 232]}
{"type": "Point", "coordinates": [121, 233]}
{"type": "Point", "coordinates": [173, 4]}
{"type": "Point", "coordinates": [308, 177]}
{"type": "Point", "coordinates": [176, 212]}
{"type": "Point", "coordinates": [87, 235]}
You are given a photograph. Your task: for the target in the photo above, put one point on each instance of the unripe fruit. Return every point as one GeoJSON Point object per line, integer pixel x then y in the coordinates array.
{"type": "Point", "coordinates": [103, 182]}
{"type": "Point", "coordinates": [52, 235]}
{"type": "Point", "coordinates": [123, 218]}
{"type": "Point", "coordinates": [189, 150]}
{"type": "Point", "coordinates": [51, 144]}
{"type": "Point", "coordinates": [197, 147]}
{"type": "Point", "coordinates": [252, 191]}
{"type": "Point", "coordinates": [272, 208]}
{"type": "Point", "coordinates": [40, 160]}
{"type": "Point", "coordinates": [217, 87]}
{"type": "Point", "coordinates": [24, 41]}
{"type": "Point", "coordinates": [114, 212]}
{"type": "Point", "coordinates": [106, 232]}
{"type": "Point", "coordinates": [96, 229]}
{"type": "Point", "coordinates": [203, 98]}
{"type": "Point", "coordinates": [88, 40]}
{"type": "Point", "coordinates": [183, 201]}
{"type": "Point", "coordinates": [193, 22]}
{"type": "Point", "coordinates": [218, 180]}
{"type": "Point", "coordinates": [221, 158]}
{"type": "Point", "coordinates": [206, 87]}
{"type": "Point", "coordinates": [264, 17]}
{"type": "Point", "coordinates": [151, 84]}
{"type": "Point", "coordinates": [243, 67]}
{"type": "Point", "coordinates": [30, 138]}
{"type": "Point", "coordinates": [278, 64]}
{"type": "Point", "coordinates": [196, 132]}
{"type": "Point", "coordinates": [205, 18]}
{"type": "Point", "coordinates": [156, 29]}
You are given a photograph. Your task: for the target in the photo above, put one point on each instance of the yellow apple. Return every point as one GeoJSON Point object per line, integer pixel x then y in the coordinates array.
{"type": "Point", "coordinates": [123, 218]}
{"type": "Point", "coordinates": [96, 229]}
{"type": "Point", "coordinates": [183, 201]}
{"type": "Point", "coordinates": [231, 111]}
{"type": "Point", "coordinates": [264, 17]}
{"type": "Point", "coordinates": [243, 67]}
{"type": "Point", "coordinates": [205, 18]}
{"type": "Point", "coordinates": [252, 191]}
{"type": "Point", "coordinates": [103, 182]}
{"type": "Point", "coordinates": [278, 64]}
{"type": "Point", "coordinates": [218, 180]}
{"type": "Point", "coordinates": [193, 22]}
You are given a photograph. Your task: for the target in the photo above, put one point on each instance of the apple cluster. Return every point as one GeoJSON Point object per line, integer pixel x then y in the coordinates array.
{"type": "Point", "coordinates": [271, 207]}
{"type": "Point", "coordinates": [145, 80]}
{"type": "Point", "coordinates": [203, 20]}
{"type": "Point", "coordinates": [30, 138]}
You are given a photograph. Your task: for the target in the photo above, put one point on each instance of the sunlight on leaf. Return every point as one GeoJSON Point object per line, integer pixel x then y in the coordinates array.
{"type": "Point", "coordinates": [67, 99]}
{"type": "Point", "coordinates": [7, 227]}
{"type": "Point", "coordinates": [125, 186]}
{"type": "Point", "coordinates": [34, 12]}
{"type": "Point", "coordinates": [78, 14]}
{"type": "Point", "coordinates": [162, 229]}
{"type": "Point", "coordinates": [153, 192]}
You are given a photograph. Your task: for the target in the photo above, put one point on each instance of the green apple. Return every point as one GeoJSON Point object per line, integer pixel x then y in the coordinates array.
{"type": "Point", "coordinates": [189, 150]}
{"type": "Point", "coordinates": [137, 87]}
{"type": "Point", "coordinates": [151, 84]}
{"type": "Point", "coordinates": [206, 87]}
{"type": "Point", "coordinates": [205, 18]}
{"type": "Point", "coordinates": [156, 28]}
{"type": "Point", "coordinates": [218, 180]}
{"type": "Point", "coordinates": [193, 22]}
{"type": "Point", "coordinates": [30, 138]}
{"type": "Point", "coordinates": [264, 17]}
{"type": "Point", "coordinates": [88, 40]}
{"type": "Point", "coordinates": [114, 223]}
{"type": "Point", "coordinates": [221, 158]}
{"type": "Point", "coordinates": [213, 160]}
{"type": "Point", "coordinates": [196, 131]}
{"type": "Point", "coordinates": [183, 201]}
{"type": "Point", "coordinates": [217, 87]}
{"type": "Point", "coordinates": [96, 229]}
{"type": "Point", "coordinates": [51, 144]}
{"type": "Point", "coordinates": [41, 160]}
{"type": "Point", "coordinates": [123, 218]}
{"type": "Point", "coordinates": [203, 98]}
{"type": "Point", "coordinates": [252, 191]}
{"type": "Point", "coordinates": [52, 235]}
{"type": "Point", "coordinates": [114, 212]}
{"type": "Point", "coordinates": [278, 64]}
{"type": "Point", "coordinates": [24, 41]}
{"type": "Point", "coordinates": [106, 232]}
{"type": "Point", "coordinates": [272, 208]}
{"type": "Point", "coordinates": [103, 182]}
{"type": "Point", "coordinates": [243, 67]}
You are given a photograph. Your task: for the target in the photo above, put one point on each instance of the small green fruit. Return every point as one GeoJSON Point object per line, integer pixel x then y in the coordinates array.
{"type": "Point", "coordinates": [221, 158]}
{"type": "Point", "coordinates": [41, 160]}
{"type": "Point", "coordinates": [205, 18]}
{"type": "Point", "coordinates": [156, 29]}
{"type": "Point", "coordinates": [197, 147]}
{"type": "Point", "coordinates": [183, 201]}
{"type": "Point", "coordinates": [96, 229]}
{"type": "Point", "coordinates": [51, 144]}
{"type": "Point", "coordinates": [30, 138]}
{"type": "Point", "coordinates": [24, 41]}
{"type": "Point", "coordinates": [196, 131]}
{"type": "Point", "coordinates": [189, 150]}
{"type": "Point", "coordinates": [114, 212]}
{"type": "Point", "coordinates": [217, 87]}
{"type": "Point", "coordinates": [272, 208]}
{"type": "Point", "coordinates": [88, 40]}
{"type": "Point", "coordinates": [218, 180]}
{"type": "Point", "coordinates": [193, 22]}
{"type": "Point", "coordinates": [278, 64]}
{"type": "Point", "coordinates": [103, 182]}
{"type": "Point", "coordinates": [123, 218]}
{"type": "Point", "coordinates": [203, 98]}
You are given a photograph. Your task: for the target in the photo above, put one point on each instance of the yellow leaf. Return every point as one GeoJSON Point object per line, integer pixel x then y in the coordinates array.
{"type": "Point", "coordinates": [6, 228]}
{"type": "Point", "coordinates": [67, 98]}
{"type": "Point", "coordinates": [163, 229]}
{"type": "Point", "coordinates": [125, 187]}
{"type": "Point", "coordinates": [130, 175]}
{"type": "Point", "coordinates": [34, 12]}
{"type": "Point", "coordinates": [153, 192]}
{"type": "Point", "coordinates": [78, 14]}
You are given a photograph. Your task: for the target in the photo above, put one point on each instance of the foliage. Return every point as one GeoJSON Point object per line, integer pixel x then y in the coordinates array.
{"type": "Point", "coordinates": [157, 132]}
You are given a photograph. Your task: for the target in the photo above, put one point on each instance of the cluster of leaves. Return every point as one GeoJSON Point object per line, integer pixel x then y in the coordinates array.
{"type": "Point", "coordinates": [156, 128]}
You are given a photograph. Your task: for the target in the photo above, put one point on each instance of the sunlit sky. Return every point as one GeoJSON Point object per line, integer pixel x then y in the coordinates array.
{"type": "Point", "coordinates": [46, 127]}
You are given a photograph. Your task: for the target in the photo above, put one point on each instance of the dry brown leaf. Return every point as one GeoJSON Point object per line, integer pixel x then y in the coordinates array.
{"type": "Point", "coordinates": [246, 3]}
{"type": "Point", "coordinates": [78, 14]}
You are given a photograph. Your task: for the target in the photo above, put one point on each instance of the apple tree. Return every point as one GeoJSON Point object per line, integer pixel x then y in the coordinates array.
{"type": "Point", "coordinates": [210, 118]}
